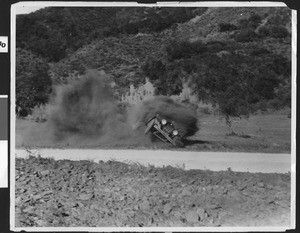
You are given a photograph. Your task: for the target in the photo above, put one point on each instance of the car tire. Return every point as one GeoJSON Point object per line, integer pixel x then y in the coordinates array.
{"type": "Point", "coordinates": [149, 126]}
{"type": "Point", "coordinates": [178, 142]}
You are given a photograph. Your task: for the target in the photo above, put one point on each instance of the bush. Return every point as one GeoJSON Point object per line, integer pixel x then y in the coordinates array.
{"type": "Point", "coordinates": [259, 52]}
{"type": "Point", "coordinates": [154, 69]}
{"type": "Point", "coordinates": [215, 47]}
{"type": "Point", "coordinates": [238, 83]}
{"type": "Point", "coordinates": [33, 84]}
{"type": "Point", "coordinates": [224, 27]}
{"type": "Point", "coordinates": [246, 35]}
{"type": "Point", "coordinates": [171, 84]}
{"type": "Point", "coordinates": [279, 19]}
{"type": "Point", "coordinates": [264, 31]}
{"type": "Point", "coordinates": [278, 31]}
{"type": "Point", "coordinates": [275, 31]}
{"type": "Point", "coordinates": [184, 49]}
{"type": "Point", "coordinates": [251, 23]}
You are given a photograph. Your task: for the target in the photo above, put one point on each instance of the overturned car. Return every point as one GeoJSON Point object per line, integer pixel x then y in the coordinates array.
{"type": "Point", "coordinates": [164, 130]}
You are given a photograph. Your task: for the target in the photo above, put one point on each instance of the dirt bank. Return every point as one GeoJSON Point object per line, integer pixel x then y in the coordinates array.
{"type": "Point", "coordinates": [67, 193]}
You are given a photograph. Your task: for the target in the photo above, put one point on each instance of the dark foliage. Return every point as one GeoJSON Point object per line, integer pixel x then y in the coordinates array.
{"type": "Point", "coordinates": [276, 31]}
{"type": "Point", "coordinates": [33, 84]}
{"type": "Point", "coordinates": [134, 20]}
{"type": "Point", "coordinates": [184, 49]}
{"type": "Point", "coordinates": [264, 31]}
{"type": "Point", "coordinates": [239, 75]}
{"type": "Point", "coordinates": [55, 32]}
{"type": "Point", "coordinates": [167, 80]}
{"type": "Point", "coordinates": [224, 27]}
{"type": "Point", "coordinates": [237, 83]}
{"type": "Point", "coordinates": [251, 23]}
{"type": "Point", "coordinates": [245, 35]}
{"type": "Point", "coordinates": [154, 69]}
{"type": "Point", "coordinates": [259, 52]}
{"type": "Point", "coordinates": [215, 46]}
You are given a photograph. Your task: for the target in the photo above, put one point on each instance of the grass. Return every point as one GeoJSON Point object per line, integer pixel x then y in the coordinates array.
{"type": "Point", "coordinates": [260, 133]}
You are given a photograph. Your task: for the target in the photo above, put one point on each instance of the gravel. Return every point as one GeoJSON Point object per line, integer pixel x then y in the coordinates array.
{"type": "Point", "coordinates": [64, 193]}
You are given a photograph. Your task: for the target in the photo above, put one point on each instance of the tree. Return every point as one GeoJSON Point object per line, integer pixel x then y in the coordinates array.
{"type": "Point", "coordinates": [33, 84]}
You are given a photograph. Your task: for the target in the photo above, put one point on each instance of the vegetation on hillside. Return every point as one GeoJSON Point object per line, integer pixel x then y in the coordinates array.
{"type": "Point", "coordinates": [58, 31]}
{"type": "Point", "coordinates": [240, 61]}
{"type": "Point", "coordinates": [237, 76]}
{"type": "Point", "coordinates": [33, 84]}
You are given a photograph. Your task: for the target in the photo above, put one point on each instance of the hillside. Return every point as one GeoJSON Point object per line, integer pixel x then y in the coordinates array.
{"type": "Point", "coordinates": [171, 47]}
{"type": "Point", "coordinates": [120, 56]}
{"type": "Point", "coordinates": [62, 30]}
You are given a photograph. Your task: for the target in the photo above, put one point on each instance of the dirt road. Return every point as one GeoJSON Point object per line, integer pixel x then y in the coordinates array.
{"type": "Point", "coordinates": [215, 161]}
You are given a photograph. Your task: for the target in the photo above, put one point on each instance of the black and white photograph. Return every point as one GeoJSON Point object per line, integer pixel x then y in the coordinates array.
{"type": "Point", "coordinates": [160, 117]}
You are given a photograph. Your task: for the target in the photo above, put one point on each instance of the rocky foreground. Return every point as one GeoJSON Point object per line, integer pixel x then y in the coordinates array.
{"type": "Point", "coordinates": [65, 193]}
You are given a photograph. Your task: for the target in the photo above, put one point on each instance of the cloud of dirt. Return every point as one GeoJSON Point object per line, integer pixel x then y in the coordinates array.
{"type": "Point", "coordinates": [183, 117]}
{"type": "Point", "coordinates": [85, 113]}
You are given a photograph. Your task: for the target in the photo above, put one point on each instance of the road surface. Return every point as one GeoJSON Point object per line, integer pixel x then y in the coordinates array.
{"type": "Point", "coordinates": [215, 161]}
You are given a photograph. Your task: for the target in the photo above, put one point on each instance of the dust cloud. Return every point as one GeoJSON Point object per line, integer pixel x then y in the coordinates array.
{"type": "Point", "coordinates": [183, 117]}
{"type": "Point", "coordinates": [86, 113]}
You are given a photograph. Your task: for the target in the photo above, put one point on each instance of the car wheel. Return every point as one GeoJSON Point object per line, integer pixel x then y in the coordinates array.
{"type": "Point", "coordinates": [178, 142]}
{"type": "Point", "coordinates": [149, 126]}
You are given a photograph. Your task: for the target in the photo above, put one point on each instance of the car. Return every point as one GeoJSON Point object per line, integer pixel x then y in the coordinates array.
{"type": "Point", "coordinates": [164, 130]}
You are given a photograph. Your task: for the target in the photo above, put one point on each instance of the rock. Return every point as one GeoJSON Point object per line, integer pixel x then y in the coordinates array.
{"type": "Point", "coordinates": [107, 190]}
{"type": "Point", "coordinates": [145, 205]}
{"type": "Point", "coordinates": [211, 221]}
{"type": "Point", "coordinates": [46, 193]}
{"type": "Point", "coordinates": [37, 197]}
{"type": "Point", "coordinates": [17, 200]}
{"type": "Point", "coordinates": [201, 213]}
{"type": "Point", "coordinates": [28, 209]}
{"type": "Point", "coordinates": [44, 173]}
{"type": "Point", "coordinates": [177, 214]}
{"type": "Point", "coordinates": [222, 214]}
{"type": "Point", "coordinates": [84, 197]}
{"type": "Point", "coordinates": [95, 207]}
{"type": "Point", "coordinates": [185, 192]}
{"type": "Point", "coordinates": [41, 223]}
{"type": "Point", "coordinates": [214, 206]}
{"type": "Point", "coordinates": [167, 208]}
{"type": "Point", "coordinates": [66, 195]}
{"type": "Point", "coordinates": [79, 204]}
{"type": "Point", "coordinates": [150, 222]}
{"type": "Point", "coordinates": [192, 216]}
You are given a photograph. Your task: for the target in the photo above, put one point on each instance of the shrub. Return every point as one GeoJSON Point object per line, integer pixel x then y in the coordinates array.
{"type": "Point", "coordinates": [224, 27]}
{"type": "Point", "coordinates": [215, 47]}
{"type": "Point", "coordinates": [33, 84]}
{"type": "Point", "coordinates": [246, 35]}
{"type": "Point", "coordinates": [184, 49]}
{"type": "Point", "coordinates": [154, 69]}
{"type": "Point", "coordinates": [251, 23]}
{"type": "Point", "coordinates": [279, 19]}
{"type": "Point", "coordinates": [169, 84]}
{"type": "Point", "coordinates": [259, 52]}
{"type": "Point", "coordinates": [238, 83]}
{"type": "Point", "coordinates": [278, 31]}
{"type": "Point", "coordinates": [264, 31]}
